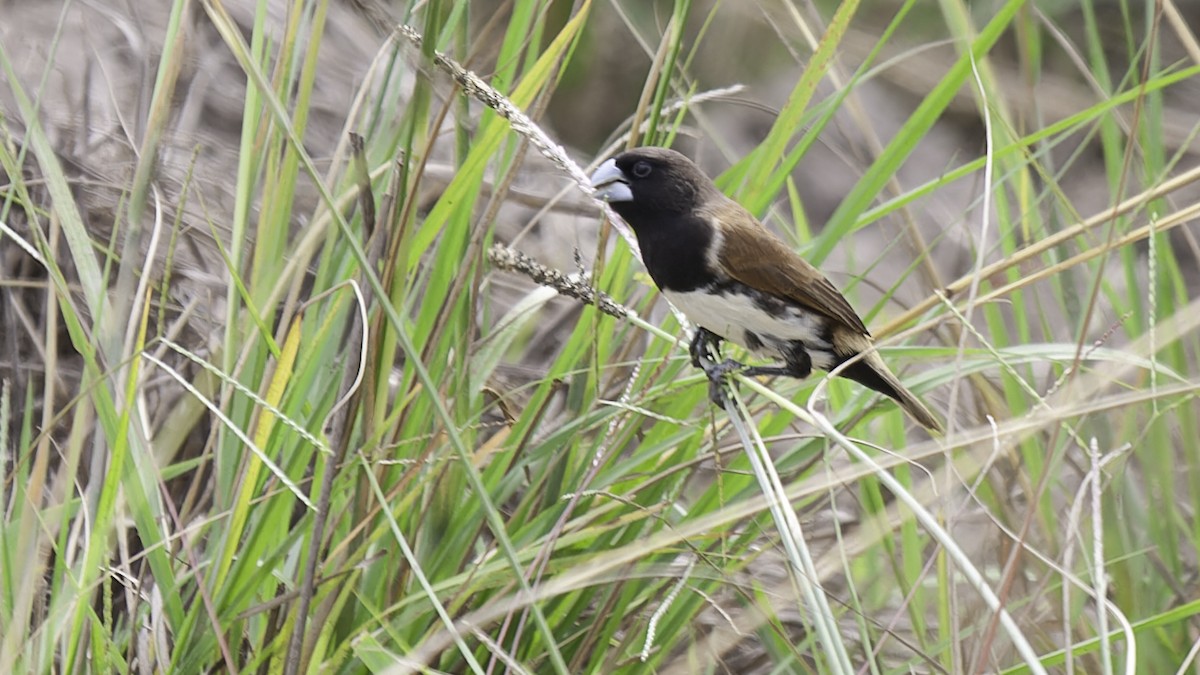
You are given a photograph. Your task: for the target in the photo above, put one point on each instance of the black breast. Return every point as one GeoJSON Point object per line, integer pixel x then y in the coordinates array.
{"type": "Point", "coordinates": [674, 248]}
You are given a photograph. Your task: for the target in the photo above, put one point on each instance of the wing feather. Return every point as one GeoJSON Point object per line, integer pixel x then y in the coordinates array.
{"type": "Point", "coordinates": [754, 256]}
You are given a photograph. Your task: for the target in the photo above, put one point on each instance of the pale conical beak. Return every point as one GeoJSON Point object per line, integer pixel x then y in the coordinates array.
{"type": "Point", "coordinates": [611, 183]}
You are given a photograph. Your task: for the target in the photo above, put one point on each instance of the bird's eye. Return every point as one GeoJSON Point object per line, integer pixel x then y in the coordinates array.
{"type": "Point", "coordinates": [641, 169]}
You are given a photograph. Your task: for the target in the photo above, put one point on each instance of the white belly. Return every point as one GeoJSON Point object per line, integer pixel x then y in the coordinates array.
{"type": "Point", "coordinates": [732, 315]}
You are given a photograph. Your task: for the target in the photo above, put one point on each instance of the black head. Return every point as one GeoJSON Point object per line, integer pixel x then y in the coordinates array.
{"type": "Point", "coordinates": [664, 197]}
{"type": "Point", "coordinates": [650, 184]}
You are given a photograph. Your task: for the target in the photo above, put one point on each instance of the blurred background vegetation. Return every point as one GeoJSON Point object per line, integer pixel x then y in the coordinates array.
{"type": "Point", "coordinates": [284, 386]}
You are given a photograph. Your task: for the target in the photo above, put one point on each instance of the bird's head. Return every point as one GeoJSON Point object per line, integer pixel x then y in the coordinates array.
{"type": "Point", "coordinates": [647, 184]}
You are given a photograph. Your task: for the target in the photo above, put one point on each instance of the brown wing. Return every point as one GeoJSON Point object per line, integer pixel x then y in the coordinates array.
{"type": "Point", "coordinates": [756, 257]}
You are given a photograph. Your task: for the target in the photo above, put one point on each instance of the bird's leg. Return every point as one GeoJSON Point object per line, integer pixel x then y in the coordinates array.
{"type": "Point", "coordinates": [705, 349]}
{"type": "Point", "coordinates": [755, 371]}
{"type": "Point", "coordinates": [705, 346]}
{"type": "Point", "coordinates": [799, 366]}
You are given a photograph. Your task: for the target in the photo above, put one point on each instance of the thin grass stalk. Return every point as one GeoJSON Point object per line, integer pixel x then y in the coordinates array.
{"type": "Point", "coordinates": [927, 520]}
{"type": "Point", "coordinates": [985, 221]}
{"type": "Point", "coordinates": [476, 88]}
{"type": "Point", "coordinates": [167, 76]}
{"type": "Point", "coordinates": [1047, 244]}
{"type": "Point", "coordinates": [1011, 564]}
{"type": "Point", "coordinates": [1100, 570]}
{"type": "Point", "coordinates": [918, 124]}
{"type": "Point", "coordinates": [415, 564]}
{"type": "Point", "coordinates": [791, 536]}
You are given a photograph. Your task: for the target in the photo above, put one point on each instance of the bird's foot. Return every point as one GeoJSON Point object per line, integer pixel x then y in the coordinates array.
{"type": "Point", "coordinates": [716, 373]}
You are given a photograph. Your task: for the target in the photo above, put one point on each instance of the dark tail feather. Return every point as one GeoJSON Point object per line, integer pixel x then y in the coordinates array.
{"type": "Point", "coordinates": [870, 371]}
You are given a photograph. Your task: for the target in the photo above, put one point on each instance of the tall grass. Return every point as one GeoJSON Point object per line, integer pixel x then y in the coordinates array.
{"type": "Point", "coordinates": [375, 494]}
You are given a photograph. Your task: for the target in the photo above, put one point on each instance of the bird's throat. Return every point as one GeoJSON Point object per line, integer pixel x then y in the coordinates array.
{"type": "Point", "coordinates": [675, 251]}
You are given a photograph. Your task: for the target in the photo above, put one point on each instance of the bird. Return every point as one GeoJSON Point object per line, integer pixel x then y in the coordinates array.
{"type": "Point", "coordinates": [739, 282]}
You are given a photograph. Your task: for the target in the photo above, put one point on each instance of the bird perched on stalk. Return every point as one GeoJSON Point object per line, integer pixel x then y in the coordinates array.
{"type": "Point", "coordinates": [737, 281]}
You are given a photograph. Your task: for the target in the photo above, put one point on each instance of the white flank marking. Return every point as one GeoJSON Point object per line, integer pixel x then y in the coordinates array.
{"type": "Point", "coordinates": [731, 315]}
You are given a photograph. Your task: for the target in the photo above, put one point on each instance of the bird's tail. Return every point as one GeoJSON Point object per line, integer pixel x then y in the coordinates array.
{"type": "Point", "coordinates": [869, 370]}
